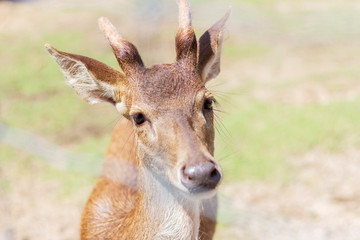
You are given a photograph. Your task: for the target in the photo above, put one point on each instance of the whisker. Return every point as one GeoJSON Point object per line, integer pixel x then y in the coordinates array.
{"type": "Point", "coordinates": [225, 93]}
{"type": "Point", "coordinates": [220, 111]}
{"type": "Point", "coordinates": [113, 122]}
{"type": "Point", "coordinates": [222, 126]}
{"type": "Point", "coordinates": [127, 140]}
{"type": "Point", "coordinates": [225, 153]}
{"type": "Point", "coordinates": [218, 128]}
{"type": "Point", "coordinates": [211, 85]}
{"type": "Point", "coordinates": [226, 156]}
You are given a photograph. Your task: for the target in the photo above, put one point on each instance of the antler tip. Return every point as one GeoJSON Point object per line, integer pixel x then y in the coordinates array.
{"type": "Point", "coordinates": [184, 13]}
{"type": "Point", "coordinates": [183, 2]}
{"type": "Point", "coordinates": [103, 22]}
{"type": "Point", "coordinates": [108, 29]}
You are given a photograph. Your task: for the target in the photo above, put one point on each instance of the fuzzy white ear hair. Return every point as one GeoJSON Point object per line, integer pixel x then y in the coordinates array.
{"type": "Point", "coordinates": [121, 107]}
{"type": "Point", "coordinates": [92, 80]}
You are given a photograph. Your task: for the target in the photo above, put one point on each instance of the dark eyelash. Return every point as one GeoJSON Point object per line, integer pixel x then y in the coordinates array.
{"type": "Point", "coordinates": [208, 104]}
{"type": "Point", "coordinates": [139, 118]}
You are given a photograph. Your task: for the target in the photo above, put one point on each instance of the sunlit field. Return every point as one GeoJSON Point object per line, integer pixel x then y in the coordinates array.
{"type": "Point", "coordinates": [287, 118]}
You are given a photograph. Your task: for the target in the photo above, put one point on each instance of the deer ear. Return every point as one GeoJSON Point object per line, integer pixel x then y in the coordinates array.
{"type": "Point", "coordinates": [209, 52]}
{"type": "Point", "coordinates": [92, 80]}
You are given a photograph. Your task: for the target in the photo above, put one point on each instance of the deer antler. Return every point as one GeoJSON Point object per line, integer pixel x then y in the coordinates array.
{"type": "Point", "coordinates": [184, 14]}
{"type": "Point", "coordinates": [186, 44]}
{"type": "Point", "coordinates": [126, 53]}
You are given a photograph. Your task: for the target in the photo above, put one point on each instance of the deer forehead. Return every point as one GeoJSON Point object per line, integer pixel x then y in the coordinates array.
{"type": "Point", "coordinates": [164, 86]}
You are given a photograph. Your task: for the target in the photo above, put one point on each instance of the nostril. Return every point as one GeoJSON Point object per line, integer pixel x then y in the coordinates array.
{"type": "Point", "coordinates": [214, 174]}
{"type": "Point", "coordinates": [202, 177]}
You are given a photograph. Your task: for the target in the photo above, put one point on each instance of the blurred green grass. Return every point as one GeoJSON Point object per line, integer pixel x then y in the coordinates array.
{"type": "Point", "coordinates": [263, 134]}
{"type": "Point", "coordinates": [273, 47]}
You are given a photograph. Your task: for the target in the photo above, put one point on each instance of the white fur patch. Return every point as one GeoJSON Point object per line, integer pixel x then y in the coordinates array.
{"type": "Point", "coordinates": [121, 107]}
{"type": "Point", "coordinates": [175, 225]}
{"type": "Point", "coordinates": [82, 81]}
{"type": "Point", "coordinates": [174, 218]}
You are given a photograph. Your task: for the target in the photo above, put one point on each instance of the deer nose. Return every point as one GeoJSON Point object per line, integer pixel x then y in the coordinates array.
{"type": "Point", "coordinates": [200, 178]}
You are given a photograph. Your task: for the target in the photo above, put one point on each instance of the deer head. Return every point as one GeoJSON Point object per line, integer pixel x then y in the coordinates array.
{"type": "Point", "coordinates": [168, 104]}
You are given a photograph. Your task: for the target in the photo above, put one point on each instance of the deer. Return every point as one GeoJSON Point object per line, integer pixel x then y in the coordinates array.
{"type": "Point", "coordinates": [159, 178]}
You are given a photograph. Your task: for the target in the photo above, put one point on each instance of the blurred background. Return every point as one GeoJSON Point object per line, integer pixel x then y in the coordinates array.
{"type": "Point", "coordinates": [288, 125]}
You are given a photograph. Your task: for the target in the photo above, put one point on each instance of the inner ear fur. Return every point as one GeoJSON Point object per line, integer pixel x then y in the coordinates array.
{"type": "Point", "coordinates": [209, 53]}
{"type": "Point", "coordinates": [92, 80]}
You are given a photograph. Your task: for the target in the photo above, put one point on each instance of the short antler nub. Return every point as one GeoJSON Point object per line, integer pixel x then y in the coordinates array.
{"type": "Point", "coordinates": [186, 44]}
{"type": "Point", "coordinates": [110, 32]}
{"type": "Point", "coordinates": [184, 14]}
{"type": "Point", "coordinates": [126, 53]}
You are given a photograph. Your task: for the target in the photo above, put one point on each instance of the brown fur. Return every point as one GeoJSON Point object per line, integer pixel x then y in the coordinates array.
{"type": "Point", "coordinates": [139, 194]}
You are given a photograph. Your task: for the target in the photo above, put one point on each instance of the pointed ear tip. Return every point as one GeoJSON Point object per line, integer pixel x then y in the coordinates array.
{"type": "Point", "coordinates": [49, 48]}
{"type": "Point", "coordinates": [228, 12]}
{"type": "Point", "coordinates": [224, 19]}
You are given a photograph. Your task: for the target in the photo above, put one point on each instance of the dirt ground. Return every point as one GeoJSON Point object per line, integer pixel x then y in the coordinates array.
{"type": "Point", "coordinates": [322, 202]}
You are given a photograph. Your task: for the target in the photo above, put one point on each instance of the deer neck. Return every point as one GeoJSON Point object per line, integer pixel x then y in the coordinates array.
{"type": "Point", "coordinates": [169, 216]}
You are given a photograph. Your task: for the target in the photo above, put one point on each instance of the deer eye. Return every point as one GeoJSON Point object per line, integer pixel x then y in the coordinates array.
{"type": "Point", "coordinates": [139, 118]}
{"type": "Point", "coordinates": [208, 104]}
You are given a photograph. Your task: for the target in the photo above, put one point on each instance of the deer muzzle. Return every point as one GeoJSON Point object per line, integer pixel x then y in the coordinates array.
{"type": "Point", "coordinates": [200, 178]}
